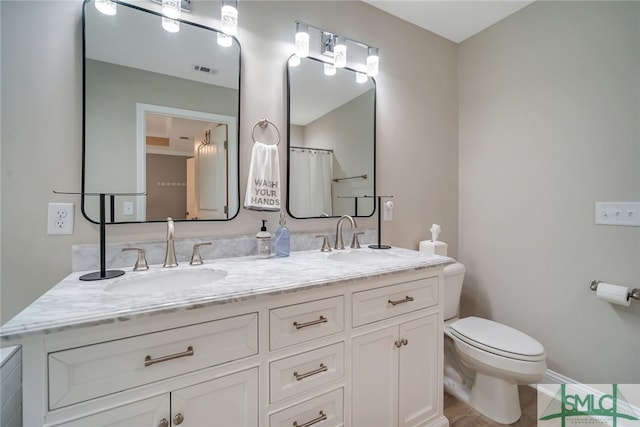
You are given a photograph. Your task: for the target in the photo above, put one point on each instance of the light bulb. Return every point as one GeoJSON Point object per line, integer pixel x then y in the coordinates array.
{"type": "Point", "coordinates": [224, 40]}
{"type": "Point", "coordinates": [340, 52]}
{"type": "Point", "coordinates": [229, 17]}
{"type": "Point", "coordinates": [302, 40]}
{"type": "Point", "coordinates": [171, 9]}
{"type": "Point", "coordinates": [106, 6]}
{"type": "Point", "coordinates": [361, 77]}
{"type": "Point", "coordinates": [170, 25]}
{"type": "Point", "coordinates": [294, 61]}
{"type": "Point", "coordinates": [329, 69]}
{"type": "Point", "coordinates": [373, 62]}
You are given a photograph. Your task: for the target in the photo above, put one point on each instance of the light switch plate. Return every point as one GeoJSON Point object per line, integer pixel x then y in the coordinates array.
{"type": "Point", "coordinates": [618, 213]}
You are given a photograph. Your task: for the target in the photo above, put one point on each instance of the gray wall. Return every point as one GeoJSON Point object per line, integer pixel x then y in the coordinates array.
{"type": "Point", "coordinates": [41, 82]}
{"type": "Point", "coordinates": [549, 124]}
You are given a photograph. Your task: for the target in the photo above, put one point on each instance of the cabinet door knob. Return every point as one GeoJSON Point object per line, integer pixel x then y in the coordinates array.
{"type": "Point", "coordinates": [398, 344]}
{"type": "Point", "coordinates": [404, 341]}
{"type": "Point", "coordinates": [178, 419]}
{"type": "Point", "coordinates": [163, 423]}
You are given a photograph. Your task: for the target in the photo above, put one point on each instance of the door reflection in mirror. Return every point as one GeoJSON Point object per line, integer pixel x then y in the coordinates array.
{"type": "Point", "coordinates": [185, 158]}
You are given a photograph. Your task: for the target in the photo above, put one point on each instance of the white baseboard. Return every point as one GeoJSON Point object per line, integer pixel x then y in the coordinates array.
{"type": "Point", "coordinates": [552, 377]}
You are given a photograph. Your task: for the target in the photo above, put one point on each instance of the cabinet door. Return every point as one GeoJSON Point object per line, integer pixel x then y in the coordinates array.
{"type": "Point", "coordinates": [144, 413]}
{"type": "Point", "coordinates": [375, 379]}
{"type": "Point", "coordinates": [230, 401]}
{"type": "Point", "coordinates": [418, 376]}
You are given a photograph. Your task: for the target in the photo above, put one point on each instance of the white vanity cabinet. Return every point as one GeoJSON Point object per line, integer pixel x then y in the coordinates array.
{"type": "Point", "coordinates": [223, 402]}
{"type": "Point", "coordinates": [395, 374]}
{"type": "Point", "coordinates": [360, 351]}
{"type": "Point", "coordinates": [397, 377]}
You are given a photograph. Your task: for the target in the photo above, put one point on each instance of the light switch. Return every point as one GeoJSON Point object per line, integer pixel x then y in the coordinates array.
{"type": "Point", "coordinates": [127, 208]}
{"type": "Point", "coordinates": [618, 213]}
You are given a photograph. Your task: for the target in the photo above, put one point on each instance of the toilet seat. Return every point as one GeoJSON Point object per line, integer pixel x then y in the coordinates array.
{"type": "Point", "coordinates": [498, 339]}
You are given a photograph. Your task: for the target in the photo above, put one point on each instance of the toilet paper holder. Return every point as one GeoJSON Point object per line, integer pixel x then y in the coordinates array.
{"type": "Point", "coordinates": [633, 293]}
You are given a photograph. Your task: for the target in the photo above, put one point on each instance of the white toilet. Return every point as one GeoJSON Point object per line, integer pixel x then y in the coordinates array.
{"type": "Point", "coordinates": [485, 361]}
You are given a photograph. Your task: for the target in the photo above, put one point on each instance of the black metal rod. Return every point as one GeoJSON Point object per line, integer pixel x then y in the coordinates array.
{"type": "Point", "coordinates": [379, 199]}
{"type": "Point", "coordinates": [103, 234]}
{"type": "Point", "coordinates": [112, 207]}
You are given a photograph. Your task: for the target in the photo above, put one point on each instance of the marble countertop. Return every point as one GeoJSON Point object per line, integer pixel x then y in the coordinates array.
{"type": "Point", "coordinates": [75, 304]}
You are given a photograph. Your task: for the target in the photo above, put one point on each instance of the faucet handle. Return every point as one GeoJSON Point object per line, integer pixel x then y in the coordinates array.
{"type": "Point", "coordinates": [196, 259]}
{"type": "Point", "coordinates": [355, 243]}
{"type": "Point", "coordinates": [326, 247]}
{"type": "Point", "coordinates": [141, 262]}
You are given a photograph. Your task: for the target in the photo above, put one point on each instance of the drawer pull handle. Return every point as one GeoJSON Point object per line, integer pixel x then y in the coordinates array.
{"type": "Point", "coordinates": [322, 368]}
{"type": "Point", "coordinates": [148, 361]}
{"type": "Point", "coordinates": [322, 319]}
{"type": "Point", "coordinates": [401, 301]}
{"type": "Point", "coordinates": [322, 417]}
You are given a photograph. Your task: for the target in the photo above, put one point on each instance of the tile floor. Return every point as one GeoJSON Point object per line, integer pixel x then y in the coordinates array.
{"type": "Point", "coordinates": [462, 415]}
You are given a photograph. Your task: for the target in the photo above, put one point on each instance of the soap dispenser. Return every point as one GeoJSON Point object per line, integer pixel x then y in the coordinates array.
{"type": "Point", "coordinates": [264, 241]}
{"type": "Point", "coordinates": [282, 239]}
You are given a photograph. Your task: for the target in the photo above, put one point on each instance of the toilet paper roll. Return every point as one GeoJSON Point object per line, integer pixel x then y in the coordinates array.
{"type": "Point", "coordinates": [614, 294]}
{"type": "Point", "coordinates": [433, 248]}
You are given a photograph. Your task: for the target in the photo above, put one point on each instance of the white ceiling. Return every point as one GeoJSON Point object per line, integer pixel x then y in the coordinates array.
{"type": "Point", "coordinates": [455, 20]}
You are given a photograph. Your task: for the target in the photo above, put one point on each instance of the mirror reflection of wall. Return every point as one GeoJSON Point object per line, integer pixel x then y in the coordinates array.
{"type": "Point", "coordinates": [130, 60]}
{"type": "Point", "coordinates": [331, 142]}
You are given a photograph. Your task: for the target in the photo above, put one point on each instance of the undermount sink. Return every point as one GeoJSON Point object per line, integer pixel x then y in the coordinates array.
{"type": "Point", "coordinates": [165, 281]}
{"type": "Point", "coordinates": [363, 256]}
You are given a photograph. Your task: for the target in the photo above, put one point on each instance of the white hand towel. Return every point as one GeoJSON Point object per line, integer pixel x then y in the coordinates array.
{"type": "Point", "coordinates": [263, 185]}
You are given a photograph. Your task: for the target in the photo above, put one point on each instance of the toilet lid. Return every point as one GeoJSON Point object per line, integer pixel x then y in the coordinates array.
{"type": "Point", "coordinates": [497, 338]}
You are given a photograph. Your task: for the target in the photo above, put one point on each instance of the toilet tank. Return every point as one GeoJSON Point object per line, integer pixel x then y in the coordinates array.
{"type": "Point", "coordinates": [453, 278]}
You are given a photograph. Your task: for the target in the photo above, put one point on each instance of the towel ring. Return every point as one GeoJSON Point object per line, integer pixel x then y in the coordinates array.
{"type": "Point", "coordinates": [263, 123]}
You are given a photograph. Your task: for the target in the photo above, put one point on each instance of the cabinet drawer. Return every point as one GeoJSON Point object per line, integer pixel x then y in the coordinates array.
{"type": "Point", "coordinates": [85, 373]}
{"type": "Point", "coordinates": [381, 303]}
{"type": "Point", "coordinates": [305, 371]}
{"type": "Point", "coordinates": [326, 410]}
{"type": "Point", "coordinates": [298, 323]}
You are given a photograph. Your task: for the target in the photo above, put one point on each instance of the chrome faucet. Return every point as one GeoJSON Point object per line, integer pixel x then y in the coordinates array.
{"type": "Point", "coordinates": [170, 256]}
{"type": "Point", "coordinates": [339, 242]}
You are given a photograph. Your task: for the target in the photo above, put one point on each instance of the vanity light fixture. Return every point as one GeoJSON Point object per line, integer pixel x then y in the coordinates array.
{"type": "Point", "coordinates": [170, 25]}
{"type": "Point", "coordinates": [171, 8]}
{"type": "Point", "coordinates": [107, 7]}
{"type": "Point", "coordinates": [340, 52]}
{"type": "Point", "coordinates": [329, 69]}
{"type": "Point", "coordinates": [302, 40]}
{"type": "Point", "coordinates": [333, 51]}
{"type": "Point", "coordinates": [294, 60]}
{"type": "Point", "coordinates": [171, 12]}
{"type": "Point", "coordinates": [224, 40]}
{"type": "Point", "coordinates": [229, 17]}
{"type": "Point", "coordinates": [373, 62]}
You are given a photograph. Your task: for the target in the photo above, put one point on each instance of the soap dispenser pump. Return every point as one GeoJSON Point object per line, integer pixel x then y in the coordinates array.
{"type": "Point", "coordinates": [264, 241]}
{"type": "Point", "coordinates": [282, 239]}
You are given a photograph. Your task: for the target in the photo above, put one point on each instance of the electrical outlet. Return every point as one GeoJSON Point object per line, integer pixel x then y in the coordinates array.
{"type": "Point", "coordinates": [60, 218]}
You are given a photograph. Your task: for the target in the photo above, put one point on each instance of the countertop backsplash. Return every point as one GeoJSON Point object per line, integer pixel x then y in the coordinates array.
{"type": "Point", "coordinates": [86, 257]}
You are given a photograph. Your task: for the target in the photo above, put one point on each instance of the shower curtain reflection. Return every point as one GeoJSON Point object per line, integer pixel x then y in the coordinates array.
{"type": "Point", "coordinates": [311, 174]}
